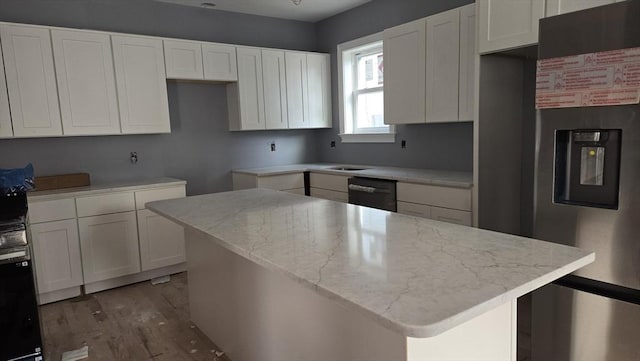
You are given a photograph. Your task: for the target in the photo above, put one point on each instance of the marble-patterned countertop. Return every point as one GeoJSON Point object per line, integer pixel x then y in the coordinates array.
{"type": "Point", "coordinates": [100, 188]}
{"type": "Point", "coordinates": [409, 175]}
{"type": "Point", "coordinates": [416, 276]}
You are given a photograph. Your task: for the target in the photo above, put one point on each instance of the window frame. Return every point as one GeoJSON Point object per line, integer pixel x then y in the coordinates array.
{"type": "Point", "coordinates": [347, 78]}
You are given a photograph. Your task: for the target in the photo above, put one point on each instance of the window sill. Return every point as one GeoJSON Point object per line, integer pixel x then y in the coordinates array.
{"type": "Point", "coordinates": [368, 138]}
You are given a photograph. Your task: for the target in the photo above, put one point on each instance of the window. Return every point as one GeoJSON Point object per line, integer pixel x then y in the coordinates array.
{"type": "Point", "coordinates": [361, 85]}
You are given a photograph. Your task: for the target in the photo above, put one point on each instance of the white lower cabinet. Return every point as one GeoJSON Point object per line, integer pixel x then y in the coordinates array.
{"type": "Point", "coordinates": [414, 209]}
{"type": "Point", "coordinates": [446, 204]}
{"type": "Point", "coordinates": [330, 195]}
{"type": "Point", "coordinates": [451, 216]}
{"type": "Point", "coordinates": [109, 245]}
{"type": "Point", "coordinates": [57, 254]}
{"type": "Point", "coordinates": [292, 182]}
{"type": "Point", "coordinates": [161, 241]}
{"type": "Point", "coordinates": [329, 186]}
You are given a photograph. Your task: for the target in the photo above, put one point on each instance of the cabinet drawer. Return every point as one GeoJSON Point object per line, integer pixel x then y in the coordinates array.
{"type": "Point", "coordinates": [49, 211]}
{"type": "Point", "coordinates": [282, 182]}
{"type": "Point", "coordinates": [447, 197]}
{"type": "Point", "coordinates": [330, 195]}
{"type": "Point", "coordinates": [451, 216]}
{"type": "Point", "coordinates": [105, 204]}
{"type": "Point", "coordinates": [143, 197]}
{"type": "Point", "coordinates": [299, 191]}
{"type": "Point", "coordinates": [328, 181]}
{"type": "Point", "coordinates": [413, 209]}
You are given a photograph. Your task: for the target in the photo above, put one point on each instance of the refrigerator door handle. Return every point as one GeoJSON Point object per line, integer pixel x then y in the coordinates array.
{"type": "Point", "coordinates": [600, 288]}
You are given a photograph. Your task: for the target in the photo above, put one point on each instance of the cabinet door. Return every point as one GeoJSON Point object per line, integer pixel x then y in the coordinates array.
{"type": "Point", "coordinates": [219, 62]}
{"type": "Point", "coordinates": [57, 255]}
{"type": "Point", "coordinates": [31, 81]}
{"type": "Point", "coordinates": [109, 245]}
{"type": "Point", "coordinates": [183, 59]}
{"type": "Point", "coordinates": [161, 241]}
{"type": "Point", "coordinates": [443, 66]}
{"type": "Point", "coordinates": [86, 82]}
{"type": "Point", "coordinates": [142, 85]}
{"type": "Point", "coordinates": [5, 115]}
{"type": "Point", "coordinates": [556, 7]}
{"type": "Point", "coordinates": [404, 68]}
{"type": "Point", "coordinates": [319, 92]}
{"type": "Point", "coordinates": [507, 24]}
{"type": "Point", "coordinates": [467, 61]}
{"type": "Point", "coordinates": [250, 91]}
{"type": "Point", "coordinates": [275, 89]}
{"type": "Point", "coordinates": [297, 90]}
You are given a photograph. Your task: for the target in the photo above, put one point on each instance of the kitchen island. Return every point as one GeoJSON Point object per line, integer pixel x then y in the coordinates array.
{"type": "Point", "coordinates": [278, 276]}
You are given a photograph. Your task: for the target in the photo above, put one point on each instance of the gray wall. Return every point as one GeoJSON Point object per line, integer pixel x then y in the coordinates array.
{"type": "Point", "coordinates": [440, 146]}
{"type": "Point", "coordinates": [200, 148]}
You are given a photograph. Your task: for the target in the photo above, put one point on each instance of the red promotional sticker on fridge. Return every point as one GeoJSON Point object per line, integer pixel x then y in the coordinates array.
{"type": "Point", "coordinates": [589, 80]}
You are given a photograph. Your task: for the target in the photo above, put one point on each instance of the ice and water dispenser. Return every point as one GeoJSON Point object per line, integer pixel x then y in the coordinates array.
{"type": "Point", "coordinates": [587, 167]}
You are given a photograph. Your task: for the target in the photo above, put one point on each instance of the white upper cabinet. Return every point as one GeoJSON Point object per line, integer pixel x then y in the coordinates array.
{"type": "Point", "coordinates": [443, 66]}
{"type": "Point", "coordinates": [275, 89]}
{"type": "Point", "coordinates": [86, 82]}
{"type": "Point", "coordinates": [31, 81]}
{"type": "Point", "coordinates": [507, 24]}
{"type": "Point", "coordinates": [183, 59]}
{"type": "Point", "coordinates": [142, 85]}
{"type": "Point", "coordinates": [556, 7]}
{"type": "Point", "coordinates": [468, 53]}
{"type": "Point", "coordinates": [297, 90]}
{"type": "Point", "coordinates": [404, 68]}
{"type": "Point", "coordinates": [246, 97]}
{"type": "Point", "coordinates": [429, 68]}
{"type": "Point", "coordinates": [319, 92]}
{"type": "Point", "coordinates": [219, 62]}
{"type": "Point", "coordinates": [6, 130]}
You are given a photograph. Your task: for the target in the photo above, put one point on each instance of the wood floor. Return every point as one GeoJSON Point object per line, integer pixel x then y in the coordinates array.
{"type": "Point", "coordinates": [138, 322]}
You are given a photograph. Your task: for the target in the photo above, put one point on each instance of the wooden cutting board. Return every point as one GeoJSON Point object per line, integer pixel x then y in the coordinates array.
{"type": "Point", "coordinates": [62, 181]}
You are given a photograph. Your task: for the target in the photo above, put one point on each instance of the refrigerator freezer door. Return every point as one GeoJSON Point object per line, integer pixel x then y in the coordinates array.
{"type": "Point", "coordinates": [584, 327]}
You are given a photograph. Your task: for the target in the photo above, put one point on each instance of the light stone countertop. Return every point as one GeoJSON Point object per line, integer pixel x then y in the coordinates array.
{"type": "Point", "coordinates": [131, 185]}
{"type": "Point", "coordinates": [416, 276]}
{"type": "Point", "coordinates": [409, 175]}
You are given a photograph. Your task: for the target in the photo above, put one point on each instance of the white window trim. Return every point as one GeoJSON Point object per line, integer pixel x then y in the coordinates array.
{"type": "Point", "coordinates": [343, 99]}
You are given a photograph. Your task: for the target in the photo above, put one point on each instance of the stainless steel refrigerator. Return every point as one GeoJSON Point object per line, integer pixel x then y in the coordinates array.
{"type": "Point", "coordinates": [587, 194]}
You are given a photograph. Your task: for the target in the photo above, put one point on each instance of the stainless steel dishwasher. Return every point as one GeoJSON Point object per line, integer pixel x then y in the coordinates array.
{"type": "Point", "coordinates": [373, 192]}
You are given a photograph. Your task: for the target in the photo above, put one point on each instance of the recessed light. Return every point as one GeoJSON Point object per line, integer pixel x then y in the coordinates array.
{"type": "Point", "coordinates": [208, 5]}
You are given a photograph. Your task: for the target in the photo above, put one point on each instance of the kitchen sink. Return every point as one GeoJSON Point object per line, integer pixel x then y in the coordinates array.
{"type": "Point", "coordinates": [349, 169]}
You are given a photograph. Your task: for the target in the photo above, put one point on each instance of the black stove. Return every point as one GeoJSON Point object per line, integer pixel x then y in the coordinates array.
{"type": "Point", "coordinates": [20, 332]}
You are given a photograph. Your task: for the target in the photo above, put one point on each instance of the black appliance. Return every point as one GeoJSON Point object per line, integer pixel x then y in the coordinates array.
{"type": "Point", "coordinates": [374, 193]}
{"type": "Point", "coordinates": [20, 334]}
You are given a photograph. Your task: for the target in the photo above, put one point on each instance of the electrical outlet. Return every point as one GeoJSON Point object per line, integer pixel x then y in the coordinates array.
{"type": "Point", "coordinates": [273, 146]}
{"type": "Point", "coordinates": [133, 157]}
{"type": "Point", "coordinates": [333, 144]}
{"type": "Point", "coordinates": [403, 144]}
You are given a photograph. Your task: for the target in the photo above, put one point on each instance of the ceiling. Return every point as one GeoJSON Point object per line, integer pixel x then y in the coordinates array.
{"type": "Point", "coordinates": [308, 10]}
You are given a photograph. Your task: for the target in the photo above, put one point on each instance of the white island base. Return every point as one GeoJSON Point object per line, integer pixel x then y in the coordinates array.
{"type": "Point", "coordinates": [253, 313]}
